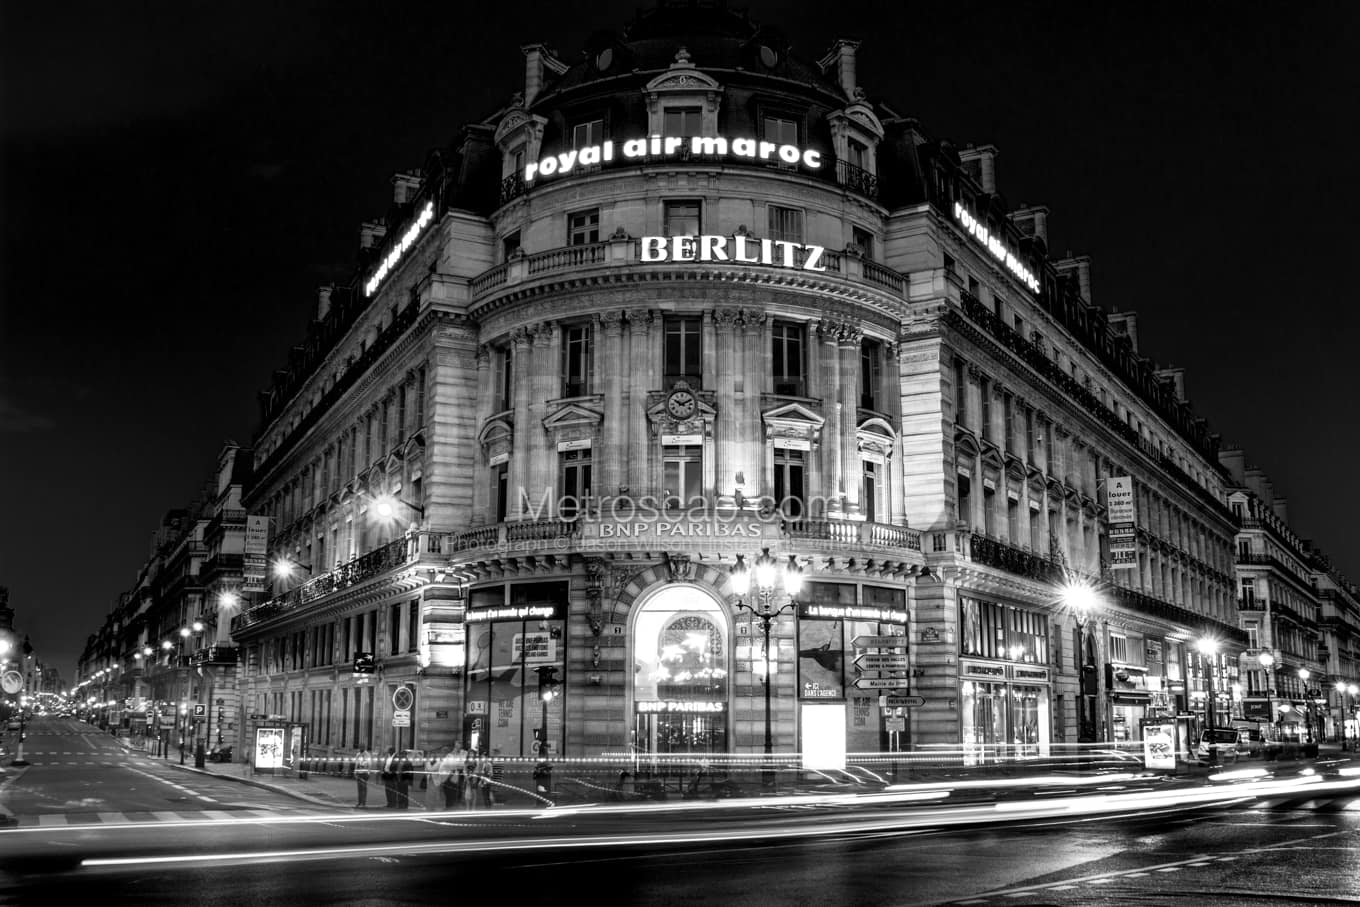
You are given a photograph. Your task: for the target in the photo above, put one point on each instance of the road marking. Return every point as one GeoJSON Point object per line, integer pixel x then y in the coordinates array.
{"type": "Point", "coordinates": [52, 819]}
{"type": "Point", "coordinates": [111, 818]}
{"type": "Point", "coordinates": [167, 816]}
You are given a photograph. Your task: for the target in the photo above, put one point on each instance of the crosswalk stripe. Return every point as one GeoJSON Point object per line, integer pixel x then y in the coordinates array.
{"type": "Point", "coordinates": [167, 816]}
{"type": "Point", "coordinates": [52, 819]}
{"type": "Point", "coordinates": [112, 818]}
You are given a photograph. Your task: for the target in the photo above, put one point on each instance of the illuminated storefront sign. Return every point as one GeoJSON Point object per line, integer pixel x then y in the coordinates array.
{"type": "Point", "coordinates": [658, 147]}
{"type": "Point", "coordinates": [667, 528]}
{"type": "Point", "coordinates": [515, 612]}
{"type": "Point", "coordinates": [740, 249]}
{"type": "Point", "coordinates": [995, 245]}
{"type": "Point", "coordinates": [394, 255]}
{"type": "Point", "coordinates": [680, 705]}
{"type": "Point", "coordinates": [853, 612]}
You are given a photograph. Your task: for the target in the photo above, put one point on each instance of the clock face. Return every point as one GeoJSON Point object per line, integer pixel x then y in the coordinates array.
{"type": "Point", "coordinates": [680, 404]}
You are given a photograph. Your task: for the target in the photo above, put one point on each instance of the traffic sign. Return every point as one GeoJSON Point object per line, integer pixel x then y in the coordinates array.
{"type": "Point", "coordinates": [880, 683]}
{"type": "Point", "coordinates": [402, 699]}
{"type": "Point", "coordinates": [12, 682]}
{"type": "Point", "coordinates": [880, 642]}
{"type": "Point", "coordinates": [200, 710]}
{"type": "Point", "coordinates": [898, 701]}
{"type": "Point", "coordinates": [401, 718]}
{"type": "Point", "coordinates": [897, 723]}
{"type": "Point", "coordinates": [877, 661]}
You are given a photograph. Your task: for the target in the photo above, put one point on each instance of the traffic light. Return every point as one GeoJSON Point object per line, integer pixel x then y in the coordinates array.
{"type": "Point", "coordinates": [547, 683]}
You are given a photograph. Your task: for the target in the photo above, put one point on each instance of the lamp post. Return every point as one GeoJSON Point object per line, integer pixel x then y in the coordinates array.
{"type": "Point", "coordinates": [766, 569]}
{"type": "Point", "coordinates": [1304, 674]}
{"type": "Point", "coordinates": [1083, 601]}
{"type": "Point", "coordinates": [1350, 690]}
{"type": "Point", "coordinates": [1208, 648]}
{"type": "Point", "coordinates": [385, 506]}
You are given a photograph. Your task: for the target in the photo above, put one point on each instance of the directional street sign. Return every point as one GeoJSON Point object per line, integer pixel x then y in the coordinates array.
{"type": "Point", "coordinates": [898, 701]}
{"type": "Point", "coordinates": [880, 642]}
{"type": "Point", "coordinates": [876, 661]}
{"type": "Point", "coordinates": [880, 683]}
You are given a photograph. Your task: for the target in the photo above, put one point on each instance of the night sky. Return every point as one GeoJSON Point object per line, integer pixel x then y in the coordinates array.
{"type": "Point", "coordinates": [179, 177]}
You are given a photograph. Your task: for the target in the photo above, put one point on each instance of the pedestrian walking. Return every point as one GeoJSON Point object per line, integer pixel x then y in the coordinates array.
{"type": "Point", "coordinates": [362, 762]}
{"type": "Point", "coordinates": [429, 781]}
{"type": "Point", "coordinates": [452, 768]}
{"type": "Point", "coordinates": [389, 777]}
{"type": "Point", "coordinates": [472, 782]}
{"type": "Point", "coordinates": [487, 771]}
{"type": "Point", "coordinates": [406, 775]}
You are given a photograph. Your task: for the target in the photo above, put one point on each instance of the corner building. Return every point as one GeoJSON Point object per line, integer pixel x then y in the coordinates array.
{"type": "Point", "coordinates": [694, 302]}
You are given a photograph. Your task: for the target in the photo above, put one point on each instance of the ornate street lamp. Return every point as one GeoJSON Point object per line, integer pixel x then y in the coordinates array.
{"type": "Point", "coordinates": [765, 571]}
{"type": "Point", "coordinates": [1208, 647]}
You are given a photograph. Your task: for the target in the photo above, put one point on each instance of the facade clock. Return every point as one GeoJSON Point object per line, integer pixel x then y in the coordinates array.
{"type": "Point", "coordinates": [681, 404]}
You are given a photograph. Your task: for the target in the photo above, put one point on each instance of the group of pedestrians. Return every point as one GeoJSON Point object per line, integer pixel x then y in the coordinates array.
{"type": "Point", "coordinates": [446, 780]}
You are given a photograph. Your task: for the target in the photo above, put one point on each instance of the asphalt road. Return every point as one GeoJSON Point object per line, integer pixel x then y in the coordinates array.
{"type": "Point", "coordinates": [1114, 844]}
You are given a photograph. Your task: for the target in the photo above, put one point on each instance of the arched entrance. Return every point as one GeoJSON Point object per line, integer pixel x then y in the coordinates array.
{"type": "Point", "coordinates": [681, 666]}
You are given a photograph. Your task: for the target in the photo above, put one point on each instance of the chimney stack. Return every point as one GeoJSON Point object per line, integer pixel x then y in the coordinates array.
{"type": "Point", "coordinates": [1080, 265]}
{"type": "Point", "coordinates": [323, 302]}
{"type": "Point", "coordinates": [1032, 221]}
{"type": "Point", "coordinates": [405, 186]}
{"type": "Point", "coordinates": [842, 57]}
{"type": "Point", "coordinates": [371, 233]}
{"type": "Point", "coordinates": [1176, 377]}
{"type": "Point", "coordinates": [538, 62]}
{"type": "Point", "coordinates": [1125, 324]}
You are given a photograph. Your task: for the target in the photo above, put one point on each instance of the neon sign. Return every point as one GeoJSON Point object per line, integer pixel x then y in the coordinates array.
{"type": "Point", "coordinates": [997, 246]}
{"type": "Point", "coordinates": [775, 252]}
{"type": "Point", "coordinates": [408, 239]}
{"type": "Point", "coordinates": [670, 146]}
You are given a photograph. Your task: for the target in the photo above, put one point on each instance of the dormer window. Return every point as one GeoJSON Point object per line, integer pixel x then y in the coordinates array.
{"type": "Point", "coordinates": [682, 121]}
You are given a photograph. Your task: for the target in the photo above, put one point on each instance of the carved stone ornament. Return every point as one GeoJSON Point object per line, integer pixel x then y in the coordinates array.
{"type": "Point", "coordinates": [680, 567]}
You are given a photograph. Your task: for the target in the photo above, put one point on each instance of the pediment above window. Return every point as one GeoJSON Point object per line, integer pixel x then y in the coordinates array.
{"type": "Point", "coordinates": [793, 420]}
{"type": "Point", "coordinates": [497, 437]}
{"type": "Point", "coordinates": [578, 411]}
{"type": "Point", "coordinates": [682, 85]}
{"type": "Point", "coordinates": [876, 436]}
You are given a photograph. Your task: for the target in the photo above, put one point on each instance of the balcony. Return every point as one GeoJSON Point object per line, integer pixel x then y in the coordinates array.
{"type": "Point", "coordinates": [221, 563]}
{"type": "Point", "coordinates": [853, 532]}
{"type": "Point", "coordinates": [396, 553]}
{"type": "Point", "coordinates": [998, 554]}
{"type": "Point", "coordinates": [217, 655]}
{"type": "Point", "coordinates": [857, 179]}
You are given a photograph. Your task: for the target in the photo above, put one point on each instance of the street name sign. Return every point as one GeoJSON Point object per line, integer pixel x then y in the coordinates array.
{"type": "Point", "coordinates": [874, 661]}
{"type": "Point", "coordinates": [880, 683]}
{"type": "Point", "coordinates": [880, 642]}
{"type": "Point", "coordinates": [897, 701]}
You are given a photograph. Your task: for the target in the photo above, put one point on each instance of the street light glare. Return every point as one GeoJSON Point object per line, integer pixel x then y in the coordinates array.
{"type": "Point", "coordinates": [1207, 645]}
{"type": "Point", "coordinates": [1080, 597]}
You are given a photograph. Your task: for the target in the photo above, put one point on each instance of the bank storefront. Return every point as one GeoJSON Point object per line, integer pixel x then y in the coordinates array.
{"type": "Point", "coordinates": [1005, 682]}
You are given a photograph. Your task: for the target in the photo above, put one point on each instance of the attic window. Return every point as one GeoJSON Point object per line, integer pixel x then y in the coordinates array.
{"type": "Point", "coordinates": [768, 57]}
{"type": "Point", "coordinates": [605, 58]}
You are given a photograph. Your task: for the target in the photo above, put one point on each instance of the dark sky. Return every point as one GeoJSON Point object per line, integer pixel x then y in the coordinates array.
{"type": "Point", "coordinates": [179, 177]}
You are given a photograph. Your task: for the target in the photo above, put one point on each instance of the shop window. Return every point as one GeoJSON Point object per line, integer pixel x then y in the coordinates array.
{"type": "Point", "coordinates": [1119, 649]}
{"type": "Point", "coordinates": [575, 482]}
{"type": "Point", "coordinates": [787, 358]}
{"type": "Point", "coordinates": [583, 227]}
{"type": "Point", "coordinates": [682, 476]}
{"type": "Point", "coordinates": [683, 354]}
{"type": "Point", "coordinates": [682, 218]}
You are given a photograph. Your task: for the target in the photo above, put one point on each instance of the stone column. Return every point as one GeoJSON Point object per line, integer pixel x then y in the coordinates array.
{"type": "Point", "coordinates": [726, 328]}
{"type": "Point", "coordinates": [848, 343]}
{"type": "Point", "coordinates": [973, 413]}
{"type": "Point", "coordinates": [998, 415]}
{"type": "Point", "coordinates": [831, 481]}
{"type": "Point", "coordinates": [518, 479]}
{"type": "Point", "coordinates": [609, 459]}
{"type": "Point", "coordinates": [547, 386]}
{"type": "Point", "coordinates": [896, 476]}
{"type": "Point", "coordinates": [481, 488]}
{"type": "Point", "coordinates": [639, 327]}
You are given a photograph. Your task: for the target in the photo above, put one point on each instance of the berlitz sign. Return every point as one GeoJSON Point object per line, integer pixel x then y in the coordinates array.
{"type": "Point", "coordinates": [661, 147]}
{"type": "Point", "coordinates": [740, 249]}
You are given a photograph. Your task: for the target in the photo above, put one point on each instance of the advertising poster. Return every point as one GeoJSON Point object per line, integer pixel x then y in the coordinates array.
{"type": "Point", "coordinates": [268, 749]}
{"type": "Point", "coordinates": [1159, 745]}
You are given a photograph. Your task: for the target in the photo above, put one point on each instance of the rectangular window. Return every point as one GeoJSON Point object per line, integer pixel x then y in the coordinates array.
{"type": "Point", "coordinates": [591, 132]}
{"type": "Point", "coordinates": [682, 121]}
{"type": "Point", "coordinates": [787, 358]}
{"type": "Point", "coordinates": [575, 481]}
{"type": "Point", "coordinates": [682, 218]}
{"type": "Point", "coordinates": [865, 240]}
{"type": "Point", "coordinates": [780, 130]}
{"type": "Point", "coordinates": [858, 154]}
{"type": "Point", "coordinates": [394, 629]}
{"type": "Point", "coordinates": [1119, 649]}
{"type": "Point", "coordinates": [510, 245]}
{"type": "Point", "coordinates": [413, 628]}
{"type": "Point", "coordinates": [500, 488]}
{"type": "Point", "coordinates": [870, 373]}
{"type": "Point", "coordinates": [786, 224]}
{"type": "Point", "coordinates": [1012, 520]}
{"type": "Point", "coordinates": [789, 486]}
{"type": "Point", "coordinates": [503, 378]}
{"type": "Point", "coordinates": [420, 397]}
{"type": "Point", "coordinates": [576, 360]}
{"type": "Point", "coordinates": [401, 412]}
{"type": "Point", "coordinates": [682, 476]}
{"type": "Point", "coordinates": [870, 491]}
{"type": "Point", "coordinates": [683, 351]}
{"type": "Point", "coordinates": [583, 227]}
